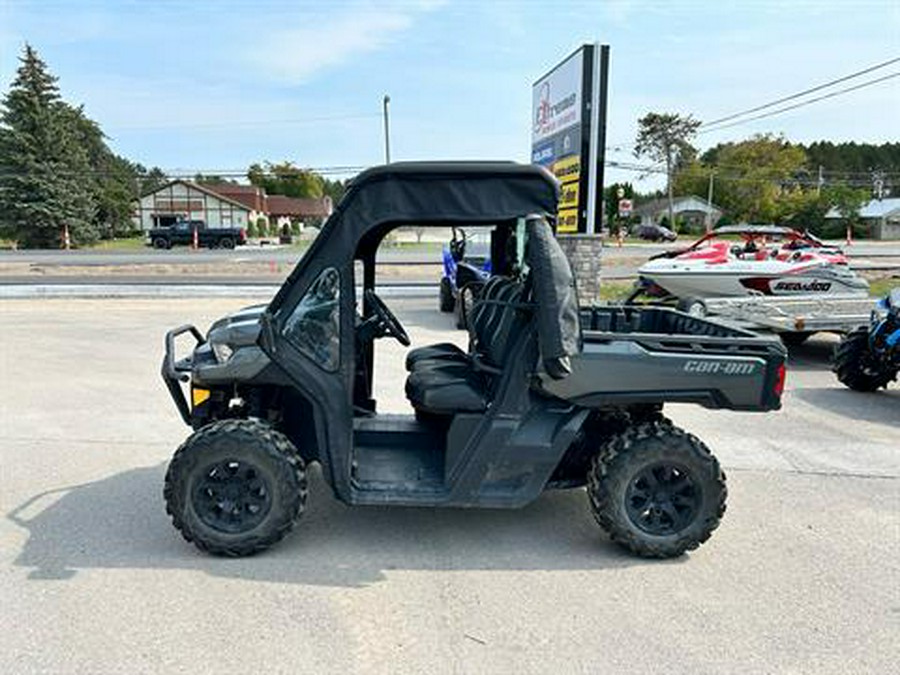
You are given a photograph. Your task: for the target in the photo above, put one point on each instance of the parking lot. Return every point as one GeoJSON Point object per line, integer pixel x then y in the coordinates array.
{"type": "Point", "coordinates": [802, 576]}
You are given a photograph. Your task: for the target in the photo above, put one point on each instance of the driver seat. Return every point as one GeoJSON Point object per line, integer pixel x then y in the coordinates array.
{"type": "Point", "coordinates": [453, 386]}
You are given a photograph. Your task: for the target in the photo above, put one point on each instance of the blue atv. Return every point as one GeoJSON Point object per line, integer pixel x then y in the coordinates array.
{"type": "Point", "coordinates": [464, 275]}
{"type": "Point", "coordinates": [869, 357]}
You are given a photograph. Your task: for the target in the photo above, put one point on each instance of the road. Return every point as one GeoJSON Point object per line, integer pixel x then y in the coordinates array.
{"type": "Point", "coordinates": [287, 255]}
{"type": "Point", "coordinates": [269, 266]}
{"type": "Point", "coordinates": [802, 577]}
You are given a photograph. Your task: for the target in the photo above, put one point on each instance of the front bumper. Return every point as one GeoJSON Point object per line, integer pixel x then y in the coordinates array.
{"type": "Point", "coordinates": [174, 372]}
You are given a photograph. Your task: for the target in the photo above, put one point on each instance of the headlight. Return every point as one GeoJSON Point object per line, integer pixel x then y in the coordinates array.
{"type": "Point", "coordinates": [222, 351]}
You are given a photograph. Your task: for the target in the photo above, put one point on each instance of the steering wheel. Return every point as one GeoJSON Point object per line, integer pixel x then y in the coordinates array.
{"type": "Point", "coordinates": [386, 319]}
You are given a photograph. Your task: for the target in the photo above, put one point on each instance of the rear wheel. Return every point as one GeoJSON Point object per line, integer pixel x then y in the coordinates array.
{"type": "Point", "coordinates": [657, 490]}
{"type": "Point", "coordinates": [235, 487]}
{"type": "Point", "coordinates": [856, 366]}
{"type": "Point", "coordinates": [446, 299]}
{"type": "Point", "coordinates": [226, 242]}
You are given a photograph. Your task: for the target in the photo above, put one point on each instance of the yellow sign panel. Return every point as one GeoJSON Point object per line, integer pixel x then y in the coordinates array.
{"type": "Point", "coordinates": [567, 220]}
{"type": "Point", "coordinates": [568, 169]}
{"type": "Point", "coordinates": [568, 196]}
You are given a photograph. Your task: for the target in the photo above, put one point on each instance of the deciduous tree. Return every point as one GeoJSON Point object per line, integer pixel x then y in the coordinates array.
{"type": "Point", "coordinates": [665, 137]}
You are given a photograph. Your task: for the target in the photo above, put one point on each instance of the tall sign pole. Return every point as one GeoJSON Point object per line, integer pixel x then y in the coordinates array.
{"type": "Point", "coordinates": [387, 130]}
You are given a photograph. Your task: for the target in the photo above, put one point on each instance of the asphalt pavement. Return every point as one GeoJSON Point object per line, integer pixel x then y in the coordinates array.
{"type": "Point", "coordinates": [802, 576]}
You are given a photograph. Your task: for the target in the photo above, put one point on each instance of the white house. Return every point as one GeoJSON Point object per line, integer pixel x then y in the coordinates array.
{"type": "Point", "coordinates": [183, 199]}
{"type": "Point", "coordinates": [692, 210]}
{"type": "Point", "coordinates": [881, 215]}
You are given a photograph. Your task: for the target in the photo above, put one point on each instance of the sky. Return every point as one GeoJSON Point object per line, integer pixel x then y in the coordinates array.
{"type": "Point", "coordinates": [215, 85]}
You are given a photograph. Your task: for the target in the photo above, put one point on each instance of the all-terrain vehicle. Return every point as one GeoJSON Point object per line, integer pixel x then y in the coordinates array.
{"type": "Point", "coordinates": [465, 272]}
{"type": "Point", "coordinates": [868, 358]}
{"type": "Point", "coordinates": [548, 394]}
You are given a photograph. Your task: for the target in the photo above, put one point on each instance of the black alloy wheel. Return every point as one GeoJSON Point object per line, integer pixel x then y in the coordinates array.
{"type": "Point", "coordinates": [231, 496]}
{"type": "Point", "coordinates": [663, 499]}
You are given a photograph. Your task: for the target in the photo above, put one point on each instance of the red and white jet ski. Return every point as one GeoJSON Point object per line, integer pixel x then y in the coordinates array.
{"type": "Point", "coordinates": [768, 261]}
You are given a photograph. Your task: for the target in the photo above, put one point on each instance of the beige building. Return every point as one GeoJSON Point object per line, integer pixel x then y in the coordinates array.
{"type": "Point", "coordinates": [184, 200]}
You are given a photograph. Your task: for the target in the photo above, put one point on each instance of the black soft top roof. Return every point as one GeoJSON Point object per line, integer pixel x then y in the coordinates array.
{"type": "Point", "coordinates": [423, 194]}
{"type": "Point", "coordinates": [438, 193]}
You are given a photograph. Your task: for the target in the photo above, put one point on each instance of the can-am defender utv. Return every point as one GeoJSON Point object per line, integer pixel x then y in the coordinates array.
{"type": "Point", "coordinates": [548, 395]}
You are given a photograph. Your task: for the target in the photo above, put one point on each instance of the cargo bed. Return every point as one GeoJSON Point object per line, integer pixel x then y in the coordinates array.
{"type": "Point", "coordinates": [636, 354]}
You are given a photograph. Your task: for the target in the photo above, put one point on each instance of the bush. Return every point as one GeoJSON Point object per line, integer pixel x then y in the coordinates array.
{"type": "Point", "coordinates": [262, 226]}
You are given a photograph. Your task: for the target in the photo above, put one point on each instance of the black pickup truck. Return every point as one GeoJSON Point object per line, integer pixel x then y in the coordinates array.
{"type": "Point", "coordinates": [182, 234]}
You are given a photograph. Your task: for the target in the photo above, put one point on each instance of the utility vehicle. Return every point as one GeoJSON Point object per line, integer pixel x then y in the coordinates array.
{"type": "Point", "coordinates": [548, 395]}
{"type": "Point", "coordinates": [465, 271]}
{"type": "Point", "coordinates": [869, 357]}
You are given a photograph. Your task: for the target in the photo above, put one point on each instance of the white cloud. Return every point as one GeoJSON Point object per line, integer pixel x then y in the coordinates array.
{"type": "Point", "coordinates": [294, 55]}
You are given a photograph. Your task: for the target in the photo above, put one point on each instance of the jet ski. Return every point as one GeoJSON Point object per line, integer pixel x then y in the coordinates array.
{"type": "Point", "coordinates": [766, 260]}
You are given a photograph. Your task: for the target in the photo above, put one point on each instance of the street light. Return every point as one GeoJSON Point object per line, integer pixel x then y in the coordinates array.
{"type": "Point", "coordinates": [387, 131]}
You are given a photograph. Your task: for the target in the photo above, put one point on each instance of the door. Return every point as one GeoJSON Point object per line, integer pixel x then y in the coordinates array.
{"type": "Point", "coordinates": [308, 330]}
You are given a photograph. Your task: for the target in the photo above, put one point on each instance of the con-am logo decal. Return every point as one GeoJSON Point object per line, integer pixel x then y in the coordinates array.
{"type": "Point", "coordinates": [719, 368]}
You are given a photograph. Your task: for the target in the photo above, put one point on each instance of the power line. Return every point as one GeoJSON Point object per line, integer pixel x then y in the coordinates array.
{"type": "Point", "coordinates": [245, 123]}
{"type": "Point", "coordinates": [772, 113]}
{"type": "Point", "coordinates": [801, 93]}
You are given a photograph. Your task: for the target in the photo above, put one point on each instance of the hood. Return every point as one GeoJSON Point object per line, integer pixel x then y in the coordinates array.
{"type": "Point", "coordinates": [237, 329]}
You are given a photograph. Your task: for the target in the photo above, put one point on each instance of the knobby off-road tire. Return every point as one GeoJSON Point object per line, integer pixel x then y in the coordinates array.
{"type": "Point", "coordinates": [446, 300]}
{"type": "Point", "coordinates": [657, 490]}
{"type": "Point", "coordinates": [464, 304]}
{"type": "Point", "coordinates": [856, 367]}
{"type": "Point", "coordinates": [235, 487]}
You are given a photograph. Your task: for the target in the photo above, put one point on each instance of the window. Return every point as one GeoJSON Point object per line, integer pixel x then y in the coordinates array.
{"type": "Point", "coordinates": [314, 325]}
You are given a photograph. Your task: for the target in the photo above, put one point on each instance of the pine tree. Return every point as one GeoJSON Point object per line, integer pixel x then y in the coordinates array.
{"type": "Point", "coordinates": [44, 171]}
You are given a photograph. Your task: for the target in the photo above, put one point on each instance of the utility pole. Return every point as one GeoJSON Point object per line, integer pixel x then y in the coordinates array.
{"type": "Point", "coordinates": [709, 196]}
{"type": "Point", "coordinates": [821, 181]}
{"type": "Point", "coordinates": [387, 130]}
{"type": "Point", "coordinates": [878, 184]}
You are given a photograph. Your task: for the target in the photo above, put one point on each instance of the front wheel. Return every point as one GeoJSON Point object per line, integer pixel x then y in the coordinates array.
{"type": "Point", "coordinates": [446, 300]}
{"type": "Point", "coordinates": [235, 487]}
{"type": "Point", "coordinates": [161, 243]}
{"type": "Point", "coordinates": [657, 490]}
{"type": "Point", "coordinates": [226, 242]}
{"type": "Point", "coordinates": [856, 366]}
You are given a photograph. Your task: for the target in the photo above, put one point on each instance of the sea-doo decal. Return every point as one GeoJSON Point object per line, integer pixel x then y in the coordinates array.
{"type": "Point", "coordinates": [814, 286]}
{"type": "Point", "coordinates": [768, 286]}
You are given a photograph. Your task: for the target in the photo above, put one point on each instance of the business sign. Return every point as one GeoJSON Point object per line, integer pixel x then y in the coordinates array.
{"type": "Point", "coordinates": [568, 114]}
